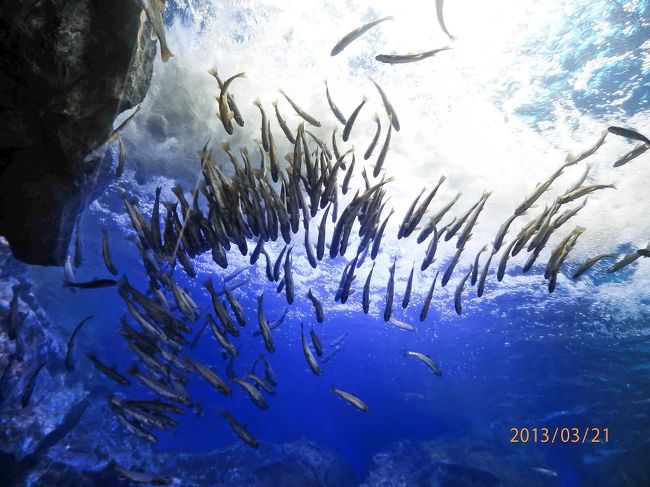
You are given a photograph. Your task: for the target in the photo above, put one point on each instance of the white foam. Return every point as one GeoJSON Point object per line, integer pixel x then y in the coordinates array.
{"type": "Point", "coordinates": [461, 111]}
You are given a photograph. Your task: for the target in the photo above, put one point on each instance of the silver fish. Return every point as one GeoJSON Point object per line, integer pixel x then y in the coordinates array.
{"type": "Point", "coordinates": [459, 292]}
{"type": "Point", "coordinates": [318, 307]}
{"type": "Point", "coordinates": [221, 337]}
{"type": "Point", "coordinates": [450, 267]}
{"type": "Point", "coordinates": [348, 176]}
{"type": "Point", "coordinates": [504, 260]}
{"type": "Point", "coordinates": [240, 430]}
{"type": "Point", "coordinates": [435, 368]}
{"type": "Point", "coordinates": [265, 125]}
{"type": "Point", "coordinates": [309, 356]}
{"type": "Point", "coordinates": [210, 376]}
{"type": "Point", "coordinates": [350, 37]}
{"type": "Point", "coordinates": [584, 267]}
{"type": "Point", "coordinates": [408, 58]}
{"type": "Point", "coordinates": [633, 154]}
{"type": "Point", "coordinates": [503, 230]}
{"type": "Point", "coordinates": [427, 299]}
{"type": "Point", "coordinates": [288, 277]}
{"type": "Point", "coordinates": [153, 10]}
{"type": "Point", "coordinates": [475, 267]}
{"type": "Point", "coordinates": [320, 244]}
{"type": "Point", "coordinates": [283, 125]}
{"type": "Point", "coordinates": [300, 111]}
{"type": "Point", "coordinates": [106, 254]}
{"type": "Point", "coordinates": [374, 140]}
{"type": "Point", "coordinates": [409, 286]}
{"type": "Point", "coordinates": [584, 190]}
{"type": "Point", "coordinates": [254, 394]}
{"type": "Point", "coordinates": [390, 289]}
{"type": "Point", "coordinates": [366, 290]}
{"type": "Point", "coordinates": [335, 110]}
{"type": "Point", "coordinates": [401, 324]}
{"type": "Point", "coordinates": [625, 261]}
{"type": "Point", "coordinates": [69, 356]}
{"type": "Point", "coordinates": [278, 264]}
{"type": "Point", "coordinates": [225, 114]}
{"type": "Point", "coordinates": [350, 122]}
{"type": "Point", "coordinates": [573, 159]}
{"type": "Point", "coordinates": [484, 273]}
{"type": "Point", "coordinates": [264, 326]}
{"type": "Point", "coordinates": [441, 19]}
{"type": "Point", "coordinates": [352, 399]}
{"type": "Point", "coordinates": [231, 100]}
{"type": "Point", "coordinates": [390, 111]}
{"type": "Point", "coordinates": [318, 346]}
{"type": "Point", "coordinates": [629, 134]}
{"type": "Point", "coordinates": [382, 155]}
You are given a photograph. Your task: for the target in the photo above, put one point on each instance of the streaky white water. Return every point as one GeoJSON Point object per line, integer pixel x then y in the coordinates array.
{"type": "Point", "coordinates": [500, 112]}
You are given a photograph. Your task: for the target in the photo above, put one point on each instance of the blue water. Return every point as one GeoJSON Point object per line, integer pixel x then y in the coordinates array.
{"type": "Point", "coordinates": [503, 367]}
{"type": "Point", "coordinates": [521, 358]}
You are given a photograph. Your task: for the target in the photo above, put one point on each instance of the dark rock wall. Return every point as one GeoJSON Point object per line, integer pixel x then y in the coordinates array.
{"type": "Point", "coordinates": [67, 68]}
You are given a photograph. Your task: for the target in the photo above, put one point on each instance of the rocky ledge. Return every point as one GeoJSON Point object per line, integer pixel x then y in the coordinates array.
{"type": "Point", "coordinates": [67, 68]}
{"type": "Point", "coordinates": [456, 462]}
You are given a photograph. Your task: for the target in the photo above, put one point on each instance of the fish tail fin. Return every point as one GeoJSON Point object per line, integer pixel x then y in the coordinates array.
{"type": "Point", "coordinates": [165, 53]}
{"type": "Point", "coordinates": [570, 159]}
{"type": "Point", "coordinates": [257, 102]}
{"type": "Point", "coordinates": [613, 186]}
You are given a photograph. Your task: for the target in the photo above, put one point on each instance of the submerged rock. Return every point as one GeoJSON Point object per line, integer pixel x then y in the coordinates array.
{"type": "Point", "coordinates": [300, 463]}
{"type": "Point", "coordinates": [453, 463]}
{"type": "Point", "coordinates": [33, 340]}
{"type": "Point", "coordinates": [628, 469]}
{"type": "Point", "coordinates": [67, 68]}
{"type": "Point", "coordinates": [30, 424]}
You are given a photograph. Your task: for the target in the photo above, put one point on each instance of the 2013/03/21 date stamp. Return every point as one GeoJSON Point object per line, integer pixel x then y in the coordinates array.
{"type": "Point", "coordinates": [559, 434]}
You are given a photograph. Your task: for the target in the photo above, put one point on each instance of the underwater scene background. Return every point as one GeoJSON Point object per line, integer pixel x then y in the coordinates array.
{"type": "Point", "coordinates": [524, 84]}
